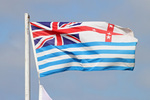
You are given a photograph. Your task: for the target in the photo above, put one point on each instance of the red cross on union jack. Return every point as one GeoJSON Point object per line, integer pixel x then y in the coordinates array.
{"type": "Point", "coordinates": [54, 31]}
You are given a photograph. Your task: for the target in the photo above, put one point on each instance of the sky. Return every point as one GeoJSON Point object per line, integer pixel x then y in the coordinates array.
{"type": "Point", "coordinates": [74, 85]}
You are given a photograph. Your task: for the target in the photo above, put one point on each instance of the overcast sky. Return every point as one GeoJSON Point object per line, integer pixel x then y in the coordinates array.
{"type": "Point", "coordinates": [74, 85]}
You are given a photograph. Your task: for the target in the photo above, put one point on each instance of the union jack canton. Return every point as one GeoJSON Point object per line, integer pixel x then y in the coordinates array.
{"type": "Point", "coordinates": [54, 33]}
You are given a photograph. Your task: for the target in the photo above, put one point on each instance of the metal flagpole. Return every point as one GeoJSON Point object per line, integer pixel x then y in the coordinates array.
{"type": "Point", "coordinates": [34, 51]}
{"type": "Point", "coordinates": [27, 63]}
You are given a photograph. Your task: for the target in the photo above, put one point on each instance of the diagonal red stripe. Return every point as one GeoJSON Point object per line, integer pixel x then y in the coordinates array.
{"type": "Point", "coordinates": [42, 33]}
{"type": "Point", "coordinates": [36, 25]}
{"type": "Point", "coordinates": [74, 38]}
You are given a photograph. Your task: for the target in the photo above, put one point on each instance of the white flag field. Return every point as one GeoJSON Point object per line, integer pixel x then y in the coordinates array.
{"type": "Point", "coordinates": [82, 46]}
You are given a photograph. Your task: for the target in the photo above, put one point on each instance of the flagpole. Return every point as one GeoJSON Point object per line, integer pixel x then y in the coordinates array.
{"type": "Point", "coordinates": [27, 60]}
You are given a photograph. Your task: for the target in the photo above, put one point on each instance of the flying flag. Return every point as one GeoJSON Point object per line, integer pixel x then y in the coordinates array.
{"type": "Point", "coordinates": [43, 95]}
{"type": "Point", "coordinates": [83, 46]}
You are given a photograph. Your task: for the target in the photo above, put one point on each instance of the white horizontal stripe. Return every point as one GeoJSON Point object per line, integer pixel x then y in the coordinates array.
{"type": "Point", "coordinates": [86, 57]}
{"type": "Point", "coordinates": [86, 65]}
{"type": "Point", "coordinates": [86, 49]}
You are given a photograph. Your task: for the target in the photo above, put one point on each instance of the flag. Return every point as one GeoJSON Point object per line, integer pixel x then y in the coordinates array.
{"type": "Point", "coordinates": [43, 95]}
{"type": "Point", "coordinates": [82, 46]}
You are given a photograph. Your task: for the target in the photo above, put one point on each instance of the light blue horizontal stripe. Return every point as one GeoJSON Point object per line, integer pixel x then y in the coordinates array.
{"type": "Point", "coordinates": [74, 53]}
{"type": "Point", "coordinates": [95, 60]}
{"type": "Point", "coordinates": [86, 45]}
{"type": "Point", "coordinates": [79, 68]}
